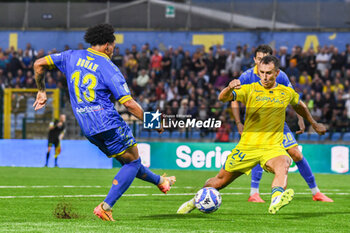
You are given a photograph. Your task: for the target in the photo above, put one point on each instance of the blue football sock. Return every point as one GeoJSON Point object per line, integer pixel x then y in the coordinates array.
{"type": "Point", "coordinates": [306, 173]}
{"type": "Point", "coordinates": [145, 174]}
{"type": "Point", "coordinates": [122, 181]}
{"type": "Point", "coordinates": [257, 172]}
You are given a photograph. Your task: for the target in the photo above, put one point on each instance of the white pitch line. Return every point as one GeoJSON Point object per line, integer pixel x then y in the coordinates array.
{"type": "Point", "coordinates": [145, 195]}
{"type": "Point", "coordinates": [97, 186]}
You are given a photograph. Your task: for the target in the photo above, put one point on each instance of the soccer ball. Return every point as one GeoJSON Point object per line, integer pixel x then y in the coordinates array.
{"type": "Point", "coordinates": [207, 200]}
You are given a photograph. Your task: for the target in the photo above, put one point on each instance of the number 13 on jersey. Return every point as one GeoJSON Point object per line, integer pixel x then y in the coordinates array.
{"type": "Point", "coordinates": [85, 85]}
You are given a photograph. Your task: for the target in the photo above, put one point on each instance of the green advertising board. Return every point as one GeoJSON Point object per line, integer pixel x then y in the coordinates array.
{"type": "Point", "coordinates": [211, 156]}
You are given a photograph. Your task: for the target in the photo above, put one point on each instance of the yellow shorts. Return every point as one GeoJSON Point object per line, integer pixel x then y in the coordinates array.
{"type": "Point", "coordinates": [243, 159]}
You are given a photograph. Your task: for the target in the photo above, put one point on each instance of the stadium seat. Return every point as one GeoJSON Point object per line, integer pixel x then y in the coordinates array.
{"type": "Point", "coordinates": [196, 135]}
{"type": "Point", "coordinates": [210, 135]}
{"type": "Point", "coordinates": [314, 137]}
{"type": "Point", "coordinates": [346, 137]}
{"type": "Point", "coordinates": [154, 134]}
{"type": "Point", "coordinates": [165, 134]}
{"type": "Point", "coordinates": [303, 137]}
{"type": "Point", "coordinates": [144, 134]}
{"type": "Point", "coordinates": [324, 137]}
{"type": "Point", "coordinates": [176, 134]}
{"type": "Point", "coordinates": [336, 136]}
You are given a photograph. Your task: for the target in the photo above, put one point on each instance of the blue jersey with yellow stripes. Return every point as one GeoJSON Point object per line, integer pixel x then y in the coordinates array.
{"type": "Point", "coordinates": [92, 78]}
{"type": "Point", "coordinates": [251, 76]}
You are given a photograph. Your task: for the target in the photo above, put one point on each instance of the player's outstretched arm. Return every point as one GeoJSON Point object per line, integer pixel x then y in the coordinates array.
{"type": "Point", "coordinates": [39, 71]}
{"type": "Point", "coordinates": [303, 111]}
{"type": "Point", "coordinates": [236, 116]}
{"type": "Point", "coordinates": [226, 94]}
{"type": "Point", "coordinates": [135, 109]}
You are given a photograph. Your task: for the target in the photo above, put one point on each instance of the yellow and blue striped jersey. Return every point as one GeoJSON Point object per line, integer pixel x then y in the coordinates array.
{"type": "Point", "coordinates": [265, 113]}
{"type": "Point", "coordinates": [91, 79]}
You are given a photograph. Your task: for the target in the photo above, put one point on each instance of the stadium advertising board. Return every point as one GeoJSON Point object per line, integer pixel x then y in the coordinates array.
{"type": "Point", "coordinates": [164, 155]}
{"type": "Point", "coordinates": [211, 156]}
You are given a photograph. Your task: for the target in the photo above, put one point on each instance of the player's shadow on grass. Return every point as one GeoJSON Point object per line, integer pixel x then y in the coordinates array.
{"type": "Point", "coordinates": [298, 215]}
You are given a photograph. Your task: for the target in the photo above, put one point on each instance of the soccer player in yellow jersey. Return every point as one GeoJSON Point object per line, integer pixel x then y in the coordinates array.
{"type": "Point", "coordinates": [262, 137]}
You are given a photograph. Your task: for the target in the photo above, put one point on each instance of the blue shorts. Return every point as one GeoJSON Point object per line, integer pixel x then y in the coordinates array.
{"type": "Point", "coordinates": [114, 142]}
{"type": "Point", "coordinates": [289, 140]}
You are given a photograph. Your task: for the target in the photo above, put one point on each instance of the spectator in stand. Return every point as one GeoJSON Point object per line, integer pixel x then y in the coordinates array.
{"type": "Point", "coordinates": [210, 62]}
{"type": "Point", "coordinates": [327, 88]}
{"type": "Point", "coordinates": [305, 77]}
{"type": "Point", "coordinates": [311, 62]}
{"type": "Point", "coordinates": [142, 79]}
{"type": "Point", "coordinates": [233, 63]}
{"type": "Point", "coordinates": [14, 64]}
{"type": "Point", "coordinates": [3, 61]}
{"type": "Point", "coordinates": [221, 57]}
{"type": "Point", "coordinates": [292, 70]}
{"type": "Point", "coordinates": [193, 110]}
{"type": "Point", "coordinates": [166, 65]}
{"type": "Point", "coordinates": [176, 60]}
{"type": "Point", "coordinates": [183, 108]}
{"type": "Point", "coordinates": [223, 133]}
{"type": "Point", "coordinates": [156, 61]}
{"type": "Point", "coordinates": [338, 86]}
{"type": "Point", "coordinates": [347, 57]}
{"type": "Point", "coordinates": [144, 61]}
{"type": "Point", "coordinates": [336, 62]}
{"type": "Point", "coordinates": [131, 67]}
{"type": "Point", "coordinates": [50, 82]}
{"type": "Point", "coordinates": [31, 51]}
{"type": "Point", "coordinates": [117, 58]}
{"type": "Point", "coordinates": [198, 62]}
{"type": "Point", "coordinates": [284, 57]}
{"type": "Point", "coordinates": [160, 90]}
{"type": "Point", "coordinates": [322, 60]}
{"type": "Point", "coordinates": [222, 80]}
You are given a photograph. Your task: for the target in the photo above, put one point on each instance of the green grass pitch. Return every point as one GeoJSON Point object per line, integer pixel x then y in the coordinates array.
{"type": "Point", "coordinates": [29, 196]}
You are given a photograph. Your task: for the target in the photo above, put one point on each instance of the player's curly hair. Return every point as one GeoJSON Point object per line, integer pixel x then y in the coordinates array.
{"type": "Point", "coordinates": [100, 34]}
{"type": "Point", "coordinates": [264, 48]}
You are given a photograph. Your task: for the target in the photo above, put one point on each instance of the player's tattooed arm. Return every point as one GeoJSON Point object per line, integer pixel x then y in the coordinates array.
{"type": "Point", "coordinates": [303, 111]}
{"type": "Point", "coordinates": [39, 69]}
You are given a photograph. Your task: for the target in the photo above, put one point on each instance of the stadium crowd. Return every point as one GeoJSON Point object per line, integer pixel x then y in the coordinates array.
{"type": "Point", "coordinates": [180, 83]}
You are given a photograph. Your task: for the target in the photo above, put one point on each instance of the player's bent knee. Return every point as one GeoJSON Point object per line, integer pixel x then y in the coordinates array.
{"type": "Point", "coordinates": [295, 153]}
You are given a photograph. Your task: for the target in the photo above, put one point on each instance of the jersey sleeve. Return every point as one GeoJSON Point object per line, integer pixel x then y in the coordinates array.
{"type": "Point", "coordinates": [57, 60]}
{"type": "Point", "coordinates": [283, 79]}
{"type": "Point", "coordinates": [241, 94]}
{"type": "Point", "coordinates": [118, 86]}
{"type": "Point", "coordinates": [294, 100]}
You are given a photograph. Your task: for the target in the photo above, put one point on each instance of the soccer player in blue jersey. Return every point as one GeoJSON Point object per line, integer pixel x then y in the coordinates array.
{"type": "Point", "coordinates": [289, 141]}
{"type": "Point", "coordinates": [92, 78]}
